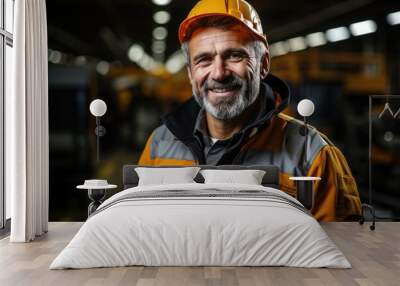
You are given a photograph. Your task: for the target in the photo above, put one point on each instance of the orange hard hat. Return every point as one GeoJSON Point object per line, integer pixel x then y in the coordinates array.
{"type": "Point", "coordinates": [237, 9]}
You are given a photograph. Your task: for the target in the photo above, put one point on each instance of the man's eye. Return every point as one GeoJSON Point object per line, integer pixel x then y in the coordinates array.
{"type": "Point", "coordinates": [203, 61]}
{"type": "Point", "coordinates": [236, 57]}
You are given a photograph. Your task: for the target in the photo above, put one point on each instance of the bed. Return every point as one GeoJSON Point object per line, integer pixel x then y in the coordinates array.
{"type": "Point", "coordinates": [203, 223]}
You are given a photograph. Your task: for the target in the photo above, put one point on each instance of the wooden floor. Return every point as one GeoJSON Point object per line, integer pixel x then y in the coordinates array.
{"type": "Point", "coordinates": [375, 256]}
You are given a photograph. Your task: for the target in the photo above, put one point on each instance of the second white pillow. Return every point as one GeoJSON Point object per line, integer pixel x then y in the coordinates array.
{"type": "Point", "coordinates": [248, 177]}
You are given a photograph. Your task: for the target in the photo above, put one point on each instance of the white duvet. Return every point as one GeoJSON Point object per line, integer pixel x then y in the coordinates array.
{"type": "Point", "coordinates": [206, 230]}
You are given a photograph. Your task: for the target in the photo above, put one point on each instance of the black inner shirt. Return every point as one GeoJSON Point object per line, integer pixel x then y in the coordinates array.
{"type": "Point", "coordinates": [214, 151]}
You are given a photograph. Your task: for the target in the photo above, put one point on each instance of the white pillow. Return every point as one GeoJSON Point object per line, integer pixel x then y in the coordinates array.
{"type": "Point", "coordinates": [164, 176]}
{"type": "Point", "coordinates": [248, 177]}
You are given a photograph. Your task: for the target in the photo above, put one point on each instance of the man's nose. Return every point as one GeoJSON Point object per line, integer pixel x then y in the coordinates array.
{"type": "Point", "coordinates": [219, 70]}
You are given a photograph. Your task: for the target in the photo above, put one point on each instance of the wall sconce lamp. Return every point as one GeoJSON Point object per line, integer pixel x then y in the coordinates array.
{"type": "Point", "coordinates": [98, 108]}
{"type": "Point", "coordinates": [305, 108]}
{"type": "Point", "coordinates": [305, 184]}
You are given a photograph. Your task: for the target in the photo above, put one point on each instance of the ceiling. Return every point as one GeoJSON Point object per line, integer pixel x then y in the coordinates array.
{"type": "Point", "coordinates": [105, 29]}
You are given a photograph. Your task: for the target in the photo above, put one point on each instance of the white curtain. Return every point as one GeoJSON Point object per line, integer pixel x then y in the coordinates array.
{"type": "Point", "coordinates": [27, 156]}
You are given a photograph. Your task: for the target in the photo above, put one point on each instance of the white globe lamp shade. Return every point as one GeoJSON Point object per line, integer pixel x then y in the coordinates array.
{"type": "Point", "coordinates": [98, 107]}
{"type": "Point", "coordinates": [305, 107]}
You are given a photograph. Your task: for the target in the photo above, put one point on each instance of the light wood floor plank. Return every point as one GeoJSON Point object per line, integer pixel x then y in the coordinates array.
{"type": "Point", "coordinates": [374, 255]}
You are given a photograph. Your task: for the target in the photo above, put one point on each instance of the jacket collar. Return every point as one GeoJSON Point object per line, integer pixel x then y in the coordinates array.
{"type": "Point", "coordinates": [276, 92]}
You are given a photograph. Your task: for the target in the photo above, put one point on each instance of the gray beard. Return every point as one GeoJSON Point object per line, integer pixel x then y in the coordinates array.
{"type": "Point", "coordinates": [229, 108]}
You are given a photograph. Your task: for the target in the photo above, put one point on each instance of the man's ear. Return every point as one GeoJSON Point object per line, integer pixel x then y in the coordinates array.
{"type": "Point", "coordinates": [265, 65]}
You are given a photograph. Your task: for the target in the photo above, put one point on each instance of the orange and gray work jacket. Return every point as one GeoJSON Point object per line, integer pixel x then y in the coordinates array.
{"type": "Point", "coordinates": [271, 138]}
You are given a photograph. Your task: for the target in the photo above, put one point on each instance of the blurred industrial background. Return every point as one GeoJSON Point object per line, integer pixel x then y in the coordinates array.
{"type": "Point", "coordinates": [126, 52]}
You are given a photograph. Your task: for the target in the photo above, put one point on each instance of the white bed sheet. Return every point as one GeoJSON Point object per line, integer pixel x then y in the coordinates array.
{"type": "Point", "coordinates": [204, 231]}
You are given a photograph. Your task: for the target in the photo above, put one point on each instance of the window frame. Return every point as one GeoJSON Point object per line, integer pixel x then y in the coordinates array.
{"type": "Point", "coordinates": [6, 39]}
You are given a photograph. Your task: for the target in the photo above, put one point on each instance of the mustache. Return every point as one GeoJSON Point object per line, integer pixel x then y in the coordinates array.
{"type": "Point", "coordinates": [231, 82]}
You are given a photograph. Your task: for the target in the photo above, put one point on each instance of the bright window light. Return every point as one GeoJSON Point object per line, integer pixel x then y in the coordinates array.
{"type": "Point", "coordinates": [135, 53]}
{"type": "Point", "coordinates": [316, 39]}
{"type": "Point", "coordinates": [297, 44]}
{"type": "Point", "coordinates": [337, 34]}
{"type": "Point", "coordinates": [161, 2]}
{"type": "Point", "coordinates": [161, 17]}
{"type": "Point", "coordinates": [363, 28]}
{"type": "Point", "coordinates": [9, 6]}
{"type": "Point", "coordinates": [393, 18]}
{"type": "Point", "coordinates": [160, 33]}
{"type": "Point", "coordinates": [279, 49]}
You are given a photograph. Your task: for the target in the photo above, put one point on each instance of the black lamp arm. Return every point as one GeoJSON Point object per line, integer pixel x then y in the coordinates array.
{"type": "Point", "coordinates": [305, 133]}
{"type": "Point", "coordinates": [99, 131]}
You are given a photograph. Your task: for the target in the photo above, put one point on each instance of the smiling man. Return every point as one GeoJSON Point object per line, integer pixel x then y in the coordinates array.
{"type": "Point", "coordinates": [235, 114]}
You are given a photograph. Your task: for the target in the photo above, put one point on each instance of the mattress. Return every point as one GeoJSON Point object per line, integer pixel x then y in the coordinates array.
{"type": "Point", "coordinates": [201, 225]}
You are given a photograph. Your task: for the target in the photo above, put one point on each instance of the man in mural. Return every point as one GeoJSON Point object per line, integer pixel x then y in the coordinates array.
{"type": "Point", "coordinates": [234, 116]}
